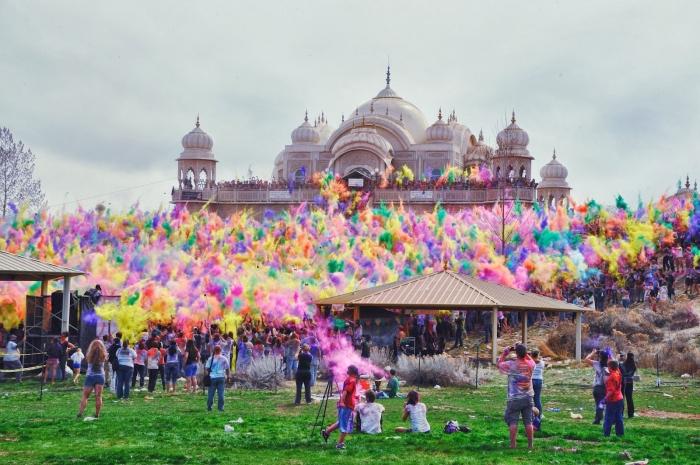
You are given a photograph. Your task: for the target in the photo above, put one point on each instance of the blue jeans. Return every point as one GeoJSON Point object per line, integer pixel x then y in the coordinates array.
{"type": "Point", "coordinates": [314, 373]}
{"type": "Point", "coordinates": [290, 369]}
{"type": "Point", "coordinates": [124, 374]}
{"type": "Point", "coordinates": [537, 387]}
{"type": "Point", "coordinates": [172, 372]}
{"type": "Point", "coordinates": [613, 415]}
{"type": "Point", "coordinates": [217, 384]}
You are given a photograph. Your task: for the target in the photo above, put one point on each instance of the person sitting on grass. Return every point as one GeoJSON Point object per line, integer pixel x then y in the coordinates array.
{"type": "Point", "coordinates": [392, 387]}
{"type": "Point", "coordinates": [370, 414]}
{"type": "Point", "coordinates": [346, 407]}
{"type": "Point", "coordinates": [520, 392]}
{"type": "Point", "coordinates": [417, 412]}
{"type": "Point", "coordinates": [94, 376]}
{"type": "Point", "coordinates": [536, 418]}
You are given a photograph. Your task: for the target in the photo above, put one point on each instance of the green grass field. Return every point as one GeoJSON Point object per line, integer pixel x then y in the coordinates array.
{"type": "Point", "coordinates": [177, 429]}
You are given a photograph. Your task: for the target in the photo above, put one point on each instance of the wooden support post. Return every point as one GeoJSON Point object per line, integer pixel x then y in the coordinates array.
{"type": "Point", "coordinates": [523, 326]}
{"type": "Point", "coordinates": [578, 336]}
{"type": "Point", "coordinates": [65, 313]}
{"type": "Point", "coordinates": [494, 335]}
{"type": "Point", "coordinates": [44, 288]}
{"type": "Point", "coordinates": [356, 314]}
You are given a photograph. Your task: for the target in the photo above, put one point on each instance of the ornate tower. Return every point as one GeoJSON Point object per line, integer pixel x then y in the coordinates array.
{"type": "Point", "coordinates": [196, 165]}
{"type": "Point", "coordinates": [512, 161]}
{"type": "Point", "coordinates": [553, 190]}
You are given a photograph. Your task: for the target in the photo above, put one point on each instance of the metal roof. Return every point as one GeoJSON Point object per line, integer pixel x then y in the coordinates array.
{"type": "Point", "coordinates": [18, 268]}
{"type": "Point", "coordinates": [447, 290]}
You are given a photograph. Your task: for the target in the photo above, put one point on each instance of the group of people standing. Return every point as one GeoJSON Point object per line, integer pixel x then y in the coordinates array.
{"type": "Point", "coordinates": [612, 385]}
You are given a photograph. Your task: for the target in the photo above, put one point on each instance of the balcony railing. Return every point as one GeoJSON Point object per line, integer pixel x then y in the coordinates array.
{"type": "Point", "coordinates": [308, 194]}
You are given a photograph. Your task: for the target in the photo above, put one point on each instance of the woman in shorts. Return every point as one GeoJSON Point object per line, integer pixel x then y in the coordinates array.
{"type": "Point", "coordinates": [94, 376]}
{"type": "Point", "coordinates": [191, 360]}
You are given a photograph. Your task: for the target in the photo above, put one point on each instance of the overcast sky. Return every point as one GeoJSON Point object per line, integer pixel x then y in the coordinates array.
{"type": "Point", "coordinates": [103, 91]}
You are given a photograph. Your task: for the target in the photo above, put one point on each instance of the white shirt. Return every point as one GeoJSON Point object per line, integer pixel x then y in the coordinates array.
{"type": "Point", "coordinates": [371, 417]}
{"type": "Point", "coordinates": [77, 357]}
{"type": "Point", "coordinates": [11, 352]}
{"type": "Point", "coordinates": [538, 372]}
{"type": "Point", "coordinates": [417, 414]}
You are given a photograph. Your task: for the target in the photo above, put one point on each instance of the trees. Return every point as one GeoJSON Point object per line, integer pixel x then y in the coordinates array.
{"type": "Point", "coordinates": [17, 183]}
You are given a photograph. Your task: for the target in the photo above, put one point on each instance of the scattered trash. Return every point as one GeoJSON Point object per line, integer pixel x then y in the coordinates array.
{"type": "Point", "coordinates": [554, 409]}
{"type": "Point", "coordinates": [686, 375]}
{"type": "Point", "coordinates": [437, 386]}
{"type": "Point", "coordinates": [576, 416]}
{"type": "Point", "coordinates": [638, 462]}
{"type": "Point", "coordinates": [228, 429]}
{"type": "Point", "coordinates": [147, 398]}
{"type": "Point", "coordinates": [561, 449]}
{"type": "Point", "coordinates": [472, 416]}
{"type": "Point", "coordinates": [625, 454]}
{"type": "Point", "coordinates": [238, 420]}
{"type": "Point", "coordinates": [393, 437]}
{"type": "Point", "coordinates": [89, 418]}
{"type": "Point", "coordinates": [667, 395]}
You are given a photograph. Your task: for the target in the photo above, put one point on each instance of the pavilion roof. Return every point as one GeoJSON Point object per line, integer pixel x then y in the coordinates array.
{"type": "Point", "coordinates": [447, 290]}
{"type": "Point", "coordinates": [18, 268]}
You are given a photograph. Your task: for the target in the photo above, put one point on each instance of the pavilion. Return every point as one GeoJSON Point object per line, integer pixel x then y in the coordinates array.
{"type": "Point", "coordinates": [447, 290]}
{"type": "Point", "coordinates": [18, 268]}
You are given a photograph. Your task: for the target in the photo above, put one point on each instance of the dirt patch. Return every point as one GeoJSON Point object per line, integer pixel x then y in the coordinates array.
{"type": "Point", "coordinates": [668, 415]}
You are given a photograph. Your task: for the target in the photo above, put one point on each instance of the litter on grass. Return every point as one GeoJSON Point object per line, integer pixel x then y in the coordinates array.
{"type": "Point", "coordinates": [228, 429]}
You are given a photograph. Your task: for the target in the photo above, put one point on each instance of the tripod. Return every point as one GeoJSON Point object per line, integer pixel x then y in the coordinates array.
{"type": "Point", "coordinates": [323, 406]}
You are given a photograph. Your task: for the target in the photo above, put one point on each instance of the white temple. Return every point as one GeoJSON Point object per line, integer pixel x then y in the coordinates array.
{"type": "Point", "coordinates": [377, 138]}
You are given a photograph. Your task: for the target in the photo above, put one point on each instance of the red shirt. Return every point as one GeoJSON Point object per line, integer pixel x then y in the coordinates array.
{"type": "Point", "coordinates": [347, 398]}
{"type": "Point", "coordinates": [613, 387]}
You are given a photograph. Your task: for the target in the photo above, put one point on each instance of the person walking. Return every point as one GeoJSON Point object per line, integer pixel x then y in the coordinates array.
{"type": "Point", "coordinates": [94, 376]}
{"type": "Point", "coordinates": [520, 392]}
{"type": "Point", "coordinates": [172, 367]}
{"type": "Point", "coordinates": [53, 355]}
{"type": "Point", "coordinates": [303, 375]}
{"type": "Point", "coordinates": [537, 379]}
{"type": "Point", "coordinates": [191, 359]}
{"type": "Point", "coordinates": [629, 368]}
{"type": "Point", "coordinates": [316, 355]}
{"type": "Point", "coordinates": [614, 405]}
{"type": "Point", "coordinates": [66, 346]}
{"type": "Point", "coordinates": [459, 331]}
{"type": "Point", "coordinates": [139, 365]}
{"type": "Point", "coordinates": [11, 360]}
{"type": "Point", "coordinates": [346, 408]}
{"type": "Point", "coordinates": [153, 358]}
{"type": "Point", "coordinates": [219, 371]}
{"type": "Point", "coordinates": [600, 368]}
{"type": "Point", "coordinates": [125, 358]}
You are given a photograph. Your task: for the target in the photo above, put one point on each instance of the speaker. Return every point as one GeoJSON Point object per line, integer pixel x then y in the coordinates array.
{"type": "Point", "coordinates": [57, 312]}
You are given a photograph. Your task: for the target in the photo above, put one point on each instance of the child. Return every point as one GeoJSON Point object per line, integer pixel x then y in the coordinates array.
{"type": "Point", "coordinates": [392, 387]}
{"type": "Point", "coordinates": [346, 407]}
{"type": "Point", "coordinates": [76, 361]}
{"type": "Point", "coordinates": [370, 414]}
{"type": "Point", "coordinates": [416, 411]}
{"type": "Point", "coordinates": [536, 418]}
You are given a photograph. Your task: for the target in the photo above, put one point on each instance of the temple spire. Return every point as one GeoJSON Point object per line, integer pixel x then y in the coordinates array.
{"type": "Point", "coordinates": [440, 114]}
{"type": "Point", "coordinates": [687, 182]}
{"type": "Point", "coordinates": [481, 135]}
{"type": "Point", "coordinates": [306, 116]}
{"type": "Point", "coordinates": [512, 119]}
{"type": "Point", "coordinates": [197, 123]}
{"type": "Point", "coordinates": [388, 74]}
{"type": "Point", "coordinates": [554, 154]}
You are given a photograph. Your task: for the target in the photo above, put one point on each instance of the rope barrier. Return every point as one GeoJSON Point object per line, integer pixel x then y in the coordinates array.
{"type": "Point", "coordinates": [23, 369]}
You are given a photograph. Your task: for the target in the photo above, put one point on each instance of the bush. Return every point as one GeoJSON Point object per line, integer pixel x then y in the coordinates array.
{"type": "Point", "coordinates": [684, 318]}
{"type": "Point", "coordinates": [381, 357]}
{"type": "Point", "coordinates": [560, 342]}
{"type": "Point", "coordinates": [263, 373]}
{"type": "Point", "coordinates": [677, 355]}
{"type": "Point", "coordinates": [443, 369]}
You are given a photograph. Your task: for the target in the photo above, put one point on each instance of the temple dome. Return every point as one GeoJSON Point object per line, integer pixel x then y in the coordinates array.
{"type": "Point", "coordinates": [512, 137]}
{"type": "Point", "coordinates": [554, 174]}
{"type": "Point", "coordinates": [480, 151]}
{"type": "Point", "coordinates": [197, 143]}
{"type": "Point", "coordinates": [389, 104]}
{"type": "Point", "coordinates": [439, 131]}
{"type": "Point", "coordinates": [305, 133]}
